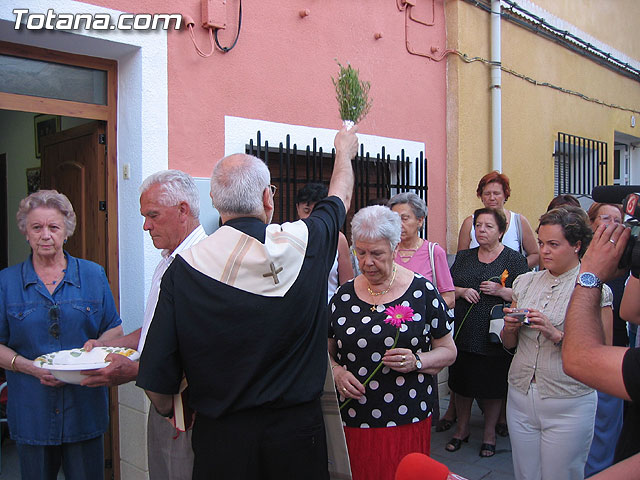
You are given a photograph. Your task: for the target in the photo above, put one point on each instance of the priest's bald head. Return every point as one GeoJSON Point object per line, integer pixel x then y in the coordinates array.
{"type": "Point", "coordinates": [240, 187]}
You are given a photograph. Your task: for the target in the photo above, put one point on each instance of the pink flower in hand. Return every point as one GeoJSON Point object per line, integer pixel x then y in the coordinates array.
{"type": "Point", "coordinates": [398, 315]}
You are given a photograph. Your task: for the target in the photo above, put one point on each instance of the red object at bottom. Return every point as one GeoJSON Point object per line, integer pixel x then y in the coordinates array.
{"type": "Point", "coordinates": [376, 452]}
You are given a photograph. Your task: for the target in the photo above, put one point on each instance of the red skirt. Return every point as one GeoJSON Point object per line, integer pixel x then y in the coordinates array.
{"type": "Point", "coordinates": [376, 452]}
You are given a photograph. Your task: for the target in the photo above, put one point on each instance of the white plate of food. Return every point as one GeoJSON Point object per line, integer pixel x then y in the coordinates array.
{"type": "Point", "coordinates": [67, 365]}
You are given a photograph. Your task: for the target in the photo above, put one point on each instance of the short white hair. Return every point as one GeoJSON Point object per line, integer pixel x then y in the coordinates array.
{"type": "Point", "coordinates": [237, 183]}
{"type": "Point", "coordinates": [376, 223]}
{"type": "Point", "coordinates": [47, 199]}
{"type": "Point", "coordinates": [177, 187]}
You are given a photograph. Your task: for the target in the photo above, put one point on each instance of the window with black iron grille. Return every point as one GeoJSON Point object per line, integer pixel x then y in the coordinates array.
{"type": "Point", "coordinates": [579, 164]}
{"type": "Point", "coordinates": [376, 177]}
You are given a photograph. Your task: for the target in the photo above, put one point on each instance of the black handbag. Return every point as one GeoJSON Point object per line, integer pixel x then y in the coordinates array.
{"type": "Point", "coordinates": [496, 322]}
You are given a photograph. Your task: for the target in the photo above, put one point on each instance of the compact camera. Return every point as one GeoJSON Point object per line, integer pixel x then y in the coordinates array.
{"type": "Point", "coordinates": [521, 315]}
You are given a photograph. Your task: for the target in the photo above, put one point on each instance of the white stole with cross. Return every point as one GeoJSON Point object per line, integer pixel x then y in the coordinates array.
{"type": "Point", "coordinates": [239, 260]}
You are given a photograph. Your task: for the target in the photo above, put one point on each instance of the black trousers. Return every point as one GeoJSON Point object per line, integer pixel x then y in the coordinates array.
{"type": "Point", "coordinates": [262, 444]}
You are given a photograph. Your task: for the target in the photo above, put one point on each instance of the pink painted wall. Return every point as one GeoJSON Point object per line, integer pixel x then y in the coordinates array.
{"type": "Point", "coordinates": [281, 70]}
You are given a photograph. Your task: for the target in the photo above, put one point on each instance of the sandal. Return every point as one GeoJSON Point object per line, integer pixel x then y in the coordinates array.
{"type": "Point", "coordinates": [444, 424]}
{"type": "Point", "coordinates": [455, 444]}
{"type": "Point", "coordinates": [487, 450]}
{"type": "Point", "coordinates": [502, 429]}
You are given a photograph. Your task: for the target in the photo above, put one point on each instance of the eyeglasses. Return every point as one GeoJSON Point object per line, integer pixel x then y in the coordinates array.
{"type": "Point", "coordinates": [609, 219]}
{"type": "Point", "coordinates": [273, 189]}
{"type": "Point", "coordinates": [54, 316]}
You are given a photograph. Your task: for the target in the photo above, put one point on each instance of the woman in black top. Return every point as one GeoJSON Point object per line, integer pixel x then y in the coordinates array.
{"type": "Point", "coordinates": [482, 277]}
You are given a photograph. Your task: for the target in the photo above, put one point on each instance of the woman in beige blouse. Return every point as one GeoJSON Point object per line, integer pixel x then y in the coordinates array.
{"type": "Point", "coordinates": [550, 415]}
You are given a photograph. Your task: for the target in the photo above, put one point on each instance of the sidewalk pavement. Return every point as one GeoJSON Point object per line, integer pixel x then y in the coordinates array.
{"type": "Point", "coordinates": [466, 462]}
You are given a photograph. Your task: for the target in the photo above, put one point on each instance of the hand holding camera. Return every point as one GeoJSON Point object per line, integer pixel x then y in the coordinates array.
{"type": "Point", "coordinates": [514, 318]}
{"type": "Point", "coordinates": [520, 314]}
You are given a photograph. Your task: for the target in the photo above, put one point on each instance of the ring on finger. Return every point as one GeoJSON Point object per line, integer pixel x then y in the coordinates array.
{"type": "Point", "coordinates": [612, 241]}
{"type": "Point", "coordinates": [402, 364]}
{"type": "Point", "coordinates": [344, 389]}
{"type": "Point", "coordinates": [404, 357]}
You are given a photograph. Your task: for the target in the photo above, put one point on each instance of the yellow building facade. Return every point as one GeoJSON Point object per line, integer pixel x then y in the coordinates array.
{"type": "Point", "coordinates": [546, 88]}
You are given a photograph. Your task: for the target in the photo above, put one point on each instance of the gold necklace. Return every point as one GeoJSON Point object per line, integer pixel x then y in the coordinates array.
{"type": "Point", "coordinates": [377, 294]}
{"type": "Point", "coordinates": [407, 253]}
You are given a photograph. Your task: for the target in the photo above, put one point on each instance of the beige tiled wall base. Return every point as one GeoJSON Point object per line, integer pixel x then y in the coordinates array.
{"type": "Point", "coordinates": [134, 408]}
{"type": "Point", "coordinates": [443, 388]}
{"type": "Point", "coordinates": [129, 472]}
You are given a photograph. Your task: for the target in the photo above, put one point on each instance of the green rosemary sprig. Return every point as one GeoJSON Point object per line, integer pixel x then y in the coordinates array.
{"type": "Point", "coordinates": [352, 94]}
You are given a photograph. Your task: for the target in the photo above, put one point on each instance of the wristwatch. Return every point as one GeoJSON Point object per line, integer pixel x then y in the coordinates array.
{"type": "Point", "coordinates": [418, 362]}
{"type": "Point", "coordinates": [588, 280]}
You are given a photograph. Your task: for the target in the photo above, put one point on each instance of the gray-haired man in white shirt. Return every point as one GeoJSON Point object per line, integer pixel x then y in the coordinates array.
{"type": "Point", "coordinates": [170, 205]}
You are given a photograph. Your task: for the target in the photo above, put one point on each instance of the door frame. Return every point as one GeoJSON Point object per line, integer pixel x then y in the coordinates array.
{"type": "Point", "coordinates": [66, 108]}
{"type": "Point", "coordinates": [107, 113]}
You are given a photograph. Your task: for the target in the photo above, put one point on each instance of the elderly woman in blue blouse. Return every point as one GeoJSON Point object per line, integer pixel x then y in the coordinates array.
{"type": "Point", "coordinates": [53, 301]}
{"type": "Point", "coordinates": [389, 416]}
{"type": "Point", "coordinates": [550, 415]}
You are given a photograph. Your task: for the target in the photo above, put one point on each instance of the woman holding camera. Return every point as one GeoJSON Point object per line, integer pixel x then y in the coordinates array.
{"type": "Point", "coordinates": [550, 415]}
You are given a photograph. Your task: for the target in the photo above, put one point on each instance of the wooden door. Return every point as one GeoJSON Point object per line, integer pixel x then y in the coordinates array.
{"type": "Point", "coordinates": [73, 163]}
{"type": "Point", "coordinates": [4, 244]}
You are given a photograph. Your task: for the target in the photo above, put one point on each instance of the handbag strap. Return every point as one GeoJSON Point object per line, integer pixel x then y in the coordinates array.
{"type": "Point", "coordinates": [519, 232]}
{"type": "Point", "coordinates": [432, 247]}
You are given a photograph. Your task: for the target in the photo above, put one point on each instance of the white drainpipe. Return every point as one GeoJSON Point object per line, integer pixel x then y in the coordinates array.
{"type": "Point", "coordinates": [496, 85]}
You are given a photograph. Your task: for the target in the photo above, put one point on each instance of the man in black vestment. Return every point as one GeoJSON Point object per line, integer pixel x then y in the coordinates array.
{"type": "Point", "coordinates": [244, 315]}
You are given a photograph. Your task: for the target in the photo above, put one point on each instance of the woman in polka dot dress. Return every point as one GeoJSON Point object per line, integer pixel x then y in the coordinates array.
{"type": "Point", "coordinates": [388, 417]}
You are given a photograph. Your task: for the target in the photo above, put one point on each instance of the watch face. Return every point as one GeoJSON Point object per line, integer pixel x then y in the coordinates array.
{"type": "Point", "coordinates": [588, 279]}
{"type": "Point", "coordinates": [418, 363]}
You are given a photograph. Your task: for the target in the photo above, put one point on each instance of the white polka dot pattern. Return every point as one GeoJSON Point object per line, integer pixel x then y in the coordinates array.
{"type": "Point", "coordinates": [391, 398]}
